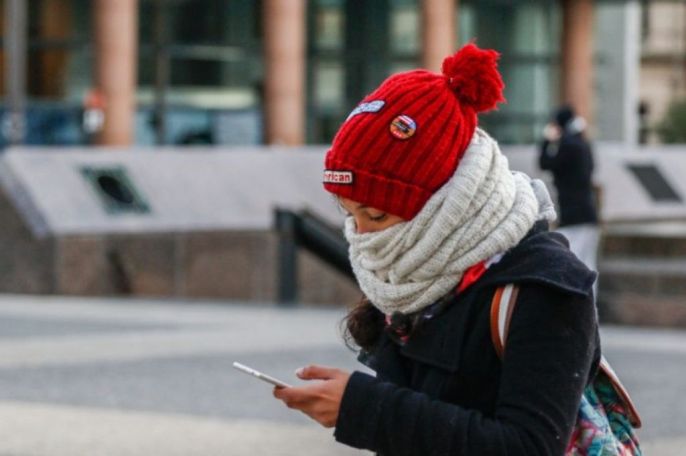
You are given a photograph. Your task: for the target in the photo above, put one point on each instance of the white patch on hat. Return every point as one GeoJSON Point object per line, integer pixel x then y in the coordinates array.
{"type": "Point", "coordinates": [338, 177]}
{"type": "Point", "coordinates": [370, 106]}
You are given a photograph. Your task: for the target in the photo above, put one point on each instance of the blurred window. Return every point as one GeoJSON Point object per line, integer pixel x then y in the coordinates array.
{"type": "Point", "coordinates": [527, 34]}
{"type": "Point", "coordinates": [325, 68]}
{"type": "Point", "coordinates": [206, 57]}
{"type": "Point", "coordinates": [59, 37]}
{"type": "Point", "coordinates": [349, 54]}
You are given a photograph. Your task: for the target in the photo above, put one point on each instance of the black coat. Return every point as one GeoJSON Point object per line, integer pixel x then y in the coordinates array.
{"type": "Point", "coordinates": [445, 391]}
{"type": "Point", "coordinates": [571, 161]}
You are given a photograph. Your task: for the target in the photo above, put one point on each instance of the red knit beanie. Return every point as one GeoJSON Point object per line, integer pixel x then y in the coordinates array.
{"type": "Point", "coordinates": [405, 139]}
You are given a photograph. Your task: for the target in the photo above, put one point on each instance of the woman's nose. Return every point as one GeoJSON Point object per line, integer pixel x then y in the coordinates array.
{"type": "Point", "coordinates": [361, 227]}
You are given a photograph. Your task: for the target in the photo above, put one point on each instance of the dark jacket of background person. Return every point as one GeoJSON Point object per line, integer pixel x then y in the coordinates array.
{"type": "Point", "coordinates": [571, 162]}
{"type": "Point", "coordinates": [446, 392]}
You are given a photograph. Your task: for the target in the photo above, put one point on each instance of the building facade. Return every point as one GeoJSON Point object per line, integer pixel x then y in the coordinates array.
{"type": "Point", "coordinates": [663, 63]}
{"type": "Point", "coordinates": [289, 71]}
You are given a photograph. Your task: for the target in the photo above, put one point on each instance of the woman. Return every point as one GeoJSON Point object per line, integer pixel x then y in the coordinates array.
{"type": "Point", "coordinates": [567, 154]}
{"type": "Point", "coordinates": [437, 222]}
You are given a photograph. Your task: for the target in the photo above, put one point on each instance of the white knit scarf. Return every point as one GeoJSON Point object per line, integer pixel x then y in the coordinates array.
{"type": "Point", "coordinates": [484, 209]}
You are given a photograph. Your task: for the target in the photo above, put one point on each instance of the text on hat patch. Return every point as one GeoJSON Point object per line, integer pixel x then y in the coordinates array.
{"type": "Point", "coordinates": [338, 177]}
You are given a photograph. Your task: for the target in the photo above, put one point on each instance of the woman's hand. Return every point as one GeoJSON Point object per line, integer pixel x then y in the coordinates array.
{"type": "Point", "coordinates": [552, 132]}
{"type": "Point", "coordinates": [320, 400]}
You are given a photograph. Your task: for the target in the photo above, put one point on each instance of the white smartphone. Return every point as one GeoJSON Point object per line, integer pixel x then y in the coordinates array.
{"type": "Point", "coordinates": [264, 377]}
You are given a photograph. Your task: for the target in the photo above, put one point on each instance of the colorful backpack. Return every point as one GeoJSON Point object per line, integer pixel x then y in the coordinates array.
{"type": "Point", "coordinates": [607, 416]}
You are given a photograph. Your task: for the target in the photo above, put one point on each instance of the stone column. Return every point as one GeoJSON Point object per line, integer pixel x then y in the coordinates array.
{"type": "Point", "coordinates": [13, 122]}
{"type": "Point", "coordinates": [284, 85]}
{"type": "Point", "coordinates": [116, 39]}
{"type": "Point", "coordinates": [576, 75]}
{"type": "Point", "coordinates": [438, 32]}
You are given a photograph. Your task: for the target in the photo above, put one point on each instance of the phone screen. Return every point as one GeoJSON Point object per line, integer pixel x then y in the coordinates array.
{"type": "Point", "coordinates": [257, 374]}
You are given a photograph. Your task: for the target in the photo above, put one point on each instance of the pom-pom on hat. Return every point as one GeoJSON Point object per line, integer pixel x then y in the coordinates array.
{"type": "Point", "coordinates": [405, 139]}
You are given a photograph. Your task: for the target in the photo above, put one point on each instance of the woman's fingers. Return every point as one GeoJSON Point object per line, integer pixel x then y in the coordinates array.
{"type": "Point", "coordinates": [278, 392]}
{"type": "Point", "coordinates": [307, 399]}
{"type": "Point", "coordinates": [294, 394]}
{"type": "Point", "coordinates": [319, 400]}
{"type": "Point", "coordinates": [315, 372]}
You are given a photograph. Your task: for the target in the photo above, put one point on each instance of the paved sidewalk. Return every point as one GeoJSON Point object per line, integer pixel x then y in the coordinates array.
{"type": "Point", "coordinates": [38, 429]}
{"type": "Point", "coordinates": [149, 377]}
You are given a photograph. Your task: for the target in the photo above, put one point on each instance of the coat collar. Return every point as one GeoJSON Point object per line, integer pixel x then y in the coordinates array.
{"type": "Point", "coordinates": [541, 257]}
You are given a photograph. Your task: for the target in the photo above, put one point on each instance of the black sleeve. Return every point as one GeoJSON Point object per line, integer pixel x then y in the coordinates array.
{"type": "Point", "coordinates": [548, 357]}
{"type": "Point", "coordinates": [548, 155]}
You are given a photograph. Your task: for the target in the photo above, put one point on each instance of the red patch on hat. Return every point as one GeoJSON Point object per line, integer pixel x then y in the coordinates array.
{"type": "Point", "coordinates": [403, 127]}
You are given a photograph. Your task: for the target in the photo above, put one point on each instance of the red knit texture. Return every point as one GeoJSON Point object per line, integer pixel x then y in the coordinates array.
{"type": "Point", "coordinates": [473, 75]}
{"type": "Point", "coordinates": [397, 162]}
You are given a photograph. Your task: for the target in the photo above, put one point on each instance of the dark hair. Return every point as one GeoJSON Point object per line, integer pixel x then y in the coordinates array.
{"type": "Point", "coordinates": [364, 323]}
{"type": "Point", "coordinates": [362, 326]}
{"type": "Point", "coordinates": [563, 115]}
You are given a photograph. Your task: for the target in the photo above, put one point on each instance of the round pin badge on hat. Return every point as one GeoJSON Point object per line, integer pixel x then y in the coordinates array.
{"type": "Point", "coordinates": [403, 127]}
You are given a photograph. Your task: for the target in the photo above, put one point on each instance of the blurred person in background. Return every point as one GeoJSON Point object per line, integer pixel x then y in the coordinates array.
{"type": "Point", "coordinates": [436, 224]}
{"type": "Point", "coordinates": [566, 153]}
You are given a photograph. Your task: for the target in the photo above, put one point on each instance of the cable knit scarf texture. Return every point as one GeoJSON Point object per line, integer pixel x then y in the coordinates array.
{"type": "Point", "coordinates": [483, 210]}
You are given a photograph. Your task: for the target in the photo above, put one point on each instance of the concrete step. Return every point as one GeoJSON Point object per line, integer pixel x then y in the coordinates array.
{"type": "Point", "coordinates": [640, 265]}
{"type": "Point", "coordinates": [639, 309]}
{"type": "Point", "coordinates": [643, 291]}
{"type": "Point", "coordinates": [650, 276]}
{"type": "Point", "coordinates": [652, 240]}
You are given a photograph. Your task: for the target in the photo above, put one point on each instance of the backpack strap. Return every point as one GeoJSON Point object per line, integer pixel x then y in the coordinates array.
{"type": "Point", "coordinates": [502, 307]}
{"type": "Point", "coordinates": [605, 368]}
